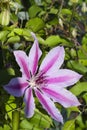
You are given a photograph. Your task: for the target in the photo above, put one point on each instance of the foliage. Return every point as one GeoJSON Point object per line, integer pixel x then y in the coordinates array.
{"type": "Point", "coordinates": [55, 22]}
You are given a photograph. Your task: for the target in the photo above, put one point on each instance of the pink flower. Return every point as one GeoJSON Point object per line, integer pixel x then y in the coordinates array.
{"type": "Point", "coordinates": [48, 82]}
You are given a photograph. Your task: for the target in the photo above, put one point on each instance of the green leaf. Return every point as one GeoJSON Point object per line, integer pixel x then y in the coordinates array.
{"type": "Point", "coordinates": [3, 35]}
{"type": "Point", "coordinates": [85, 97]}
{"type": "Point", "coordinates": [38, 122]}
{"type": "Point", "coordinates": [41, 120]}
{"type": "Point", "coordinates": [6, 127]}
{"type": "Point", "coordinates": [18, 31]}
{"type": "Point", "coordinates": [35, 24]}
{"type": "Point", "coordinates": [10, 106]}
{"type": "Point", "coordinates": [1, 128]}
{"type": "Point", "coordinates": [34, 10]}
{"type": "Point", "coordinates": [54, 21]}
{"type": "Point", "coordinates": [13, 39]}
{"type": "Point", "coordinates": [69, 125]}
{"type": "Point", "coordinates": [79, 88]}
{"type": "Point", "coordinates": [54, 40]}
{"type": "Point", "coordinates": [72, 109]}
{"type": "Point", "coordinates": [66, 12]}
{"type": "Point", "coordinates": [53, 11]}
{"type": "Point", "coordinates": [77, 67]}
{"type": "Point", "coordinates": [84, 44]}
{"type": "Point", "coordinates": [83, 61]}
{"type": "Point", "coordinates": [25, 124]}
{"type": "Point", "coordinates": [80, 122]}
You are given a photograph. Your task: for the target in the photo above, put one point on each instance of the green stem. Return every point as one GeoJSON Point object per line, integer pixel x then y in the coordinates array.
{"type": "Point", "coordinates": [15, 120]}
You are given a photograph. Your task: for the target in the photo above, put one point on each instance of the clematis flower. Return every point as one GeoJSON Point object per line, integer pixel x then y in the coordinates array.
{"type": "Point", "coordinates": [48, 82]}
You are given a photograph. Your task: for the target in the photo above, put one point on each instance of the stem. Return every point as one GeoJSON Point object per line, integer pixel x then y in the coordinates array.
{"type": "Point", "coordinates": [15, 120]}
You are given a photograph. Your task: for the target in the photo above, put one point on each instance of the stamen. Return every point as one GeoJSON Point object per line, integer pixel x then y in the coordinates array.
{"type": "Point", "coordinates": [38, 80]}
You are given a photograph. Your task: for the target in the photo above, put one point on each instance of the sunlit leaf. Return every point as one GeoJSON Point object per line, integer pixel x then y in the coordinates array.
{"type": "Point", "coordinates": [3, 35]}
{"type": "Point", "coordinates": [75, 65]}
{"type": "Point", "coordinates": [54, 40]}
{"type": "Point", "coordinates": [35, 24]}
{"type": "Point", "coordinates": [13, 39]}
{"type": "Point", "coordinates": [38, 122]}
{"type": "Point", "coordinates": [25, 124]}
{"type": "Point", "coordinates": [79, 88]}
{"type": "Point", "coordinates": [69, 125]}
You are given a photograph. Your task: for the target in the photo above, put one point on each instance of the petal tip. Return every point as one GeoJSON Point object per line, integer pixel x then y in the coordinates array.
{"type": "Point", "coordinates": [33, 35]}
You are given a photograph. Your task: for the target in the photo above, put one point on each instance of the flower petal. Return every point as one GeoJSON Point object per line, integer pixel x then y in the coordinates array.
{"type": "Point", "coordinates": [53, 60]}
{"type": "Point", "coordinates": [49, 106]}
{"type": "Point", "coordinates": [34, 55]}
{"type": "Point", "coordinates": [22, 61]}
{"type": "Point", "coordinates": [29, 103]}
{"type": "Point", "coordinates": [62, 96]}
{"type": "Point", "coordinates": [16, 86]}
{"type": "Point", "coordinates": [63, 78]}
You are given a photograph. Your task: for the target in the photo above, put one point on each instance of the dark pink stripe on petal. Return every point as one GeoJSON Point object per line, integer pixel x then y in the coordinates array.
{"type": "Point", "coordinates": [29, 103]}
{"type": "Point", "coordinates": [49, 106]}
{"type": "Point", "coordinates": [53, 60]}
{"type": "Point", "coordinates": [34, 55]}
{"type": "Point", "coordinates": [22, 61]}
{"type": "Point", "coordinates": [62, 96]}
{"type": "Point", "coordinates": [16, 86]}
{"type": "Point", "coordinates": [58, 79]}
{"type": "Point", "coordinates": [63, 78]}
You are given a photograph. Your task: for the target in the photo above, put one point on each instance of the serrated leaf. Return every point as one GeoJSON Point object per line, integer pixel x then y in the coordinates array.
{"type": "Point", "coordinates": [69, 125]}
{"type": "Point", "coordinates": [79, 88]}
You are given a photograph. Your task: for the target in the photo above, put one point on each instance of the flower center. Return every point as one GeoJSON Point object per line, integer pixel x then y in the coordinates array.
{"type": "Point", "coordinates": [38, 80]}
{"type": "Point", "coordinates": [32, 83]}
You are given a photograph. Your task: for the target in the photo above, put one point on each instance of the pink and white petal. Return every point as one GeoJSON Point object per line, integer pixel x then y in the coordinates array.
{"type": "Point", "coordinates": [49, 106]}
{"type": "Point", "coordinates": [22, 61]}
{"type": "Point", "coordinates": [62, 96]}
{"type": "Point", "coordinates": [63, 78]}
{"type": "Point", "coordinates": [53, 60]}
{"type": "Point", "coordinates": [29, 102]}
{"type": "Point", "coordinates": [34, 56]}
{"type": "Point", "coordinates": [16, 87]}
